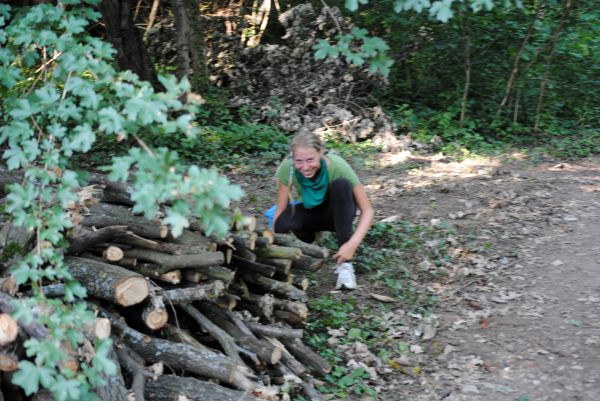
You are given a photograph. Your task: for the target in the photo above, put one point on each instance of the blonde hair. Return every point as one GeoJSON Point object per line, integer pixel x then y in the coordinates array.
{"type": "Point", "coordinates": [306, 139]}
{"type": "Point", "coordinates": [302, 139]}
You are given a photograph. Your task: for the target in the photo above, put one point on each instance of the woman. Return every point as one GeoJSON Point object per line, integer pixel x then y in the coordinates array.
{"type": "Point", "coordinates": [330, 192]}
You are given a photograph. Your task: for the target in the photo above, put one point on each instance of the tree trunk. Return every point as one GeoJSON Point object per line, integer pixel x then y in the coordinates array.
{"type": "Point", "coordinates": [288, 359]}
{"type": "Point", "coordinates": [538, 109]}
{"type": "Point", "coordinates": [515, 69]}
{"type": "Point", "coordinates": [171, 387]}
{"type": "Point", "coordinates": [124, 36]}
{"type": "Point", "coordinates": [245, 240]}
{"type": "Point", "coordinates": [199, 78]}
{"type": "Point", "coordinates": [155, 317]}
{"type": "Point", "coordinates": [225, 274]}
{"type": "Point", "coordinates": [109, 282]}
{"type": "Point", "coordinates": [183, 42]}
{"type": "Point", "coordinates": [467, 67]}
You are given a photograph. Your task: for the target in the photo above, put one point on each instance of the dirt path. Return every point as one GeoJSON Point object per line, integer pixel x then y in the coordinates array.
{"type": "Point", "coordinates": [529, 327]}
{"type": "Point", "coordinates": [544, 343]}
{"type": "Point", "coordinates": [519, 316]}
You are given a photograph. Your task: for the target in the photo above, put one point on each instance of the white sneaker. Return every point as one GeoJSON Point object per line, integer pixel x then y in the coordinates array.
{"type": "Point", "coordinates": [346, 278]}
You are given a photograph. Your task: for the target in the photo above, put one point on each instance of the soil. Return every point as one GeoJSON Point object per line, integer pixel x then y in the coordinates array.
{"type": "Point", "coordinates": [519, 313]}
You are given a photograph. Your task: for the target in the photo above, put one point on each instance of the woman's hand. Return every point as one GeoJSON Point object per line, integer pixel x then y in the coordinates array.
{"type": "Point", "coordinates": [346, 252]}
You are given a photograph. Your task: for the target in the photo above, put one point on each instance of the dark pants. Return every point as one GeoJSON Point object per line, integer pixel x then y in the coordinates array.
{"type": "Point", "coordinates": [336, 213]}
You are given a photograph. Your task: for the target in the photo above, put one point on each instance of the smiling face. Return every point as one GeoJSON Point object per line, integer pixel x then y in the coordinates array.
{"type": "Point", "coordinates": [307, 161]}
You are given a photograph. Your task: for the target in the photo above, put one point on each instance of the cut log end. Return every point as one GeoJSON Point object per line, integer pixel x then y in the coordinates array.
{"type": "Point", "coordinates": [172, 277]}
{"type": "Point", "coordinates": [102, 328]}
{"type": "Point", "coordinates": [164, 231]}
{"type": "Point", "coordinates": [155, 318]}
{"type": "Point", "coordinates": [8, 362]}
{"type": "Point", "coordinates": [131, 291]}
{"type": "Point", "coordinates": [8, 329]}
{"type": "Point", "coordinates": [113, 254]}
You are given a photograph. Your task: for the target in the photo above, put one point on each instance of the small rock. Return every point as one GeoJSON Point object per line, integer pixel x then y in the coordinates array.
{"type": "Point", "coordinates": [470, 388]}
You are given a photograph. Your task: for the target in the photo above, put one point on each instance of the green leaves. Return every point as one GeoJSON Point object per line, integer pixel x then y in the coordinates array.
{"type": "Point", "coordinates": [323, 50]}
{"type": "Point", "coordinates": [28, 377]}
{"type": "Point", "coordinates": [372, 50]}
{"type": "Point", "coordinates": [442, 10]}
{"type": "Point", "coordinates": [352, 5]}
{"type": "Point", "coordinates": [160, 178]}
{"type": "Point", "coordinates": [54, 112]}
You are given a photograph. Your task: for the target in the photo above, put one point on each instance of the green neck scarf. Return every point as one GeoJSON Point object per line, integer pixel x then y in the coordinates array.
{"type": "Point", "coordinates": [313, 191]}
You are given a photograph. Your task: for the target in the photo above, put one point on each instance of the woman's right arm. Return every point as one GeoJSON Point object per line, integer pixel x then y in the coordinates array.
{"type": "Point", "coordinates": [282, 201]}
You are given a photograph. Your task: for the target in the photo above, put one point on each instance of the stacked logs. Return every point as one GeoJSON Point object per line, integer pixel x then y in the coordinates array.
{"type": "Point", "coordinates": [191, 316]}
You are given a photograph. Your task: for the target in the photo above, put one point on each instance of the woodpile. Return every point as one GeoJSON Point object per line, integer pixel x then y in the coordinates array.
{"type": "Point", "coordinates": [221, 319]}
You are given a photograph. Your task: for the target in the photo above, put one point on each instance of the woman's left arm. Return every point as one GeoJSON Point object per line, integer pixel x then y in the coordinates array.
{"type": "Point", "coordinates": [346, 251]}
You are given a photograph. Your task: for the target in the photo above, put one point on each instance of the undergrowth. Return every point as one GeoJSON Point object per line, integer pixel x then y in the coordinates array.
{"type": "Point", "coordinates": [443, 132]}
{"type": "Point", "coordinates": [396, 259]}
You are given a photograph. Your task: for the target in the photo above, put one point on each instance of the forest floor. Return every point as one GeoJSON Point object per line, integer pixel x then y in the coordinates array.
{"type": "Point", "coordinates": [517, 315]}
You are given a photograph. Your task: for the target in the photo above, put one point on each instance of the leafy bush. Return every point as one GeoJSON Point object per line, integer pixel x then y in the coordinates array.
{"type": "Point", "coordinates": [60, 94]}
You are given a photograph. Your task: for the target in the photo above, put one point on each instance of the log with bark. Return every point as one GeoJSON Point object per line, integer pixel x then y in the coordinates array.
{"type": "Point", "coordinates": [315, 362]}
{"type": "Point", "coordinates": [171, 262]}
{"type": "Point", "coordinates": [178, 296]}
{"type": "Point", "coordinates": [197, 244]}
{"type": "Point", "coordinates": [307, 249]}
{"type": "Point", "coordinates": [242, 334]}
{"type": "Point", "coordinates": [273, 330]}
{"type": "Point", "coordinates": [246, 265]}
{"type": "Point", "coordinates": [278, 252]}
{"type": "Point", "coordinates": [134, 364]}
{"type": "Point", "coordinates": [308, 263]}
{"type": "Point", "coordinates": [83, 238]}
{"type": "Point", "coordinates": [171, 387]}
{"type": "Point", "coordinates": [109, 282]}
{"type": "Point", "coordinates": [180, 335]}
{"type": "Point", "coordinates": [185, 357]}
{"type": "Point", "coordinates": [284, 289]}
{"type": "Point", "coordinates": [114, 387]}
{"type": "Point", "coordinates": [106, 214]}
{"type": "Point", "coordinates": [194, 239]}
{"type": "Point", "coordinates": [224, 339]}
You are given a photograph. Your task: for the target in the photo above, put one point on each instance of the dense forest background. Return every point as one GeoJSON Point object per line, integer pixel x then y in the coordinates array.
{"type": "Point", "coordinates": [479, 76]}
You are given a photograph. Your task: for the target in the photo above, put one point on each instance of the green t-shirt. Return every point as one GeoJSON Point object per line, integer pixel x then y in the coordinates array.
{"type": "Point", "coordinates": [338, 168]}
